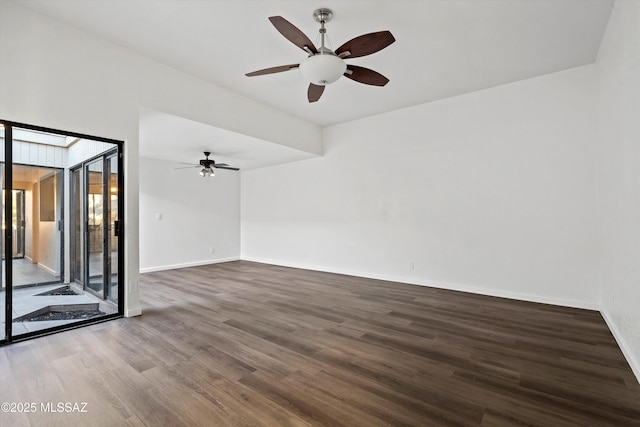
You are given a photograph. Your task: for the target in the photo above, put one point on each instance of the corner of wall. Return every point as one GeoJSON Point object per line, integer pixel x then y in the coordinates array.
{"type": "Point", "coordinates": [633, 361]}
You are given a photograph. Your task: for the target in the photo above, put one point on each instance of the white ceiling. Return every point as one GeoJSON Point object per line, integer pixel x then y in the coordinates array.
{"type": "Point", "coordinates": [443, 48]}
{"type": "Point", "coordinates": [168, 137]}
{"type": "Point", "coordinates": [29, 174]}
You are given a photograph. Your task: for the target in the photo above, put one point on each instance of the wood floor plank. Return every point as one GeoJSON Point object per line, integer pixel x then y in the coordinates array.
{"type": "Point", "coordinates": [249, 344]}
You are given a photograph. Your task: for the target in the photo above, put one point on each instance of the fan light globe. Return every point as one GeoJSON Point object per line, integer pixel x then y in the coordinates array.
{"type": "Point", "coordinates": [323, 69]}
{"type": "Point", "coordinates": [207, 172]}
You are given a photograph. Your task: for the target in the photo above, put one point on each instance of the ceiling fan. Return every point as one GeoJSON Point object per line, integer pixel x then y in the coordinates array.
{"type": "Point", "coordinates": [324, 66]}
{"type": "Point", "coordinates": [208, 165]}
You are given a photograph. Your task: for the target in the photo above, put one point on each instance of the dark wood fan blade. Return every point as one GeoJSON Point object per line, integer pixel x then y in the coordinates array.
{"type": "Point", "coordinates": [292, 33]}
{"type": "Point", "coordinates": [366, 76]}
{"type": "Point", "coordinates": [366, 44]}
{"type": "Point", "coordinates": [315, 92]}
{"type": "Point", "coordinates": [272, 70]}
{"type": "Point", "coordinates": [220, 166]}
{"type": "Point", "coordinates": [189, 167]}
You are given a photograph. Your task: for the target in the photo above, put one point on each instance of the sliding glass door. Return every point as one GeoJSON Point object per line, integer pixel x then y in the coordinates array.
{"type": "Point", "coordinates": [113, 226]}
{"type": "Point", "coordinates": [95, 244]}
{"type": "Point", "coordinates": [96, 226]}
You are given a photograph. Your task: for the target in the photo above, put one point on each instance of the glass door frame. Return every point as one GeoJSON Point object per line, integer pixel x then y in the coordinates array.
{"type": "Point", "coordinates": [106, 227]}
{"type": "Point", "coordinates": [7, 170]}
{"type": "Point", "coordinates": [89, 232]}
{"type": "Point", "coordinates": [76, 215]}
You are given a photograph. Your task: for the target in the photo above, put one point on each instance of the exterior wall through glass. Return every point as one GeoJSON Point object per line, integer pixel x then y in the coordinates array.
{"type": "Point", "coordinates": [61, 243]}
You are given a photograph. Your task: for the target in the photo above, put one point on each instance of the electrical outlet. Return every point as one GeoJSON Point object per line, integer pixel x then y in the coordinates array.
{"type": "Point", "coordinates": [412, 265]}
{"type": "Point", "coordinates": [212, 250]}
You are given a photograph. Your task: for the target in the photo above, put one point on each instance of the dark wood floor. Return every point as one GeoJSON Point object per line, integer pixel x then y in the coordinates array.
{"type": "Point", "coordinates": [247, 344]}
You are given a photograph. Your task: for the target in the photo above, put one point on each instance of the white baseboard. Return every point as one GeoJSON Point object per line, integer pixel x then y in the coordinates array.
{"type": "Point", "coordinates": [187, 264]}
{"type": "Point", "coordinates": [628, 354]}
{"type": "Point", "coordinates": [441, 285]}
{"type": "Point", "coordinates": [48, 270]}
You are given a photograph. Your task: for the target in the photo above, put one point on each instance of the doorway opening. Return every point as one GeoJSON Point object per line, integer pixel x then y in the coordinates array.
{"type": "Point", "coordinates": [36, 215]}
{"type": "Point", "coordinates": [61, 230]}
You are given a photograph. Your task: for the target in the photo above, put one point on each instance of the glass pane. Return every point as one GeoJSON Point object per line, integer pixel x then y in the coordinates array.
{"type": "Point", "coordinates": [113, 228]}
{"type": "Point", "coordinates": [95, 244]}
{"type": "Point", "coordinates": [37, 225]}
{"type": "Point", "coordinates": [77, 222]}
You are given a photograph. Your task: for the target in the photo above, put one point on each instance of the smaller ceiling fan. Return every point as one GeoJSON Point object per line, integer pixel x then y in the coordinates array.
{"type": "Point", "coordinates": [324, 66]}
{"type": "Point", "coordinates": [208, 165]}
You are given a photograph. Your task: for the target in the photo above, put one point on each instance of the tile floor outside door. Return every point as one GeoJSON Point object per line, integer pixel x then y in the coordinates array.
{"type": "Point", "coordinates": [26, 299]}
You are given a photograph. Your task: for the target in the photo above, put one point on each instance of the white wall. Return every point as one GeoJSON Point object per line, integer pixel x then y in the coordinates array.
{"type": "Point", "coordinates": [490, 192]}
{"type": "Point", "coordinates": [36, 154]}
{"type": "Point", "coordinates": [49, 247]}
{"type": "Point", "coordinates": [618, 71]}
{"type": "Point", "coordinates": [55, 76]}
{"type": "Point", "coordinates": [84, 150]}
{"type": "Point", "coordinates": [196, 214]}
{"type": "Point", "coordinates": [48, 234]}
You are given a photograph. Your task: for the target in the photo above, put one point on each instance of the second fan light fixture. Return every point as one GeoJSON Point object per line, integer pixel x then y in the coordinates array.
{"type": "Point", "coordinates": [324, 66]}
